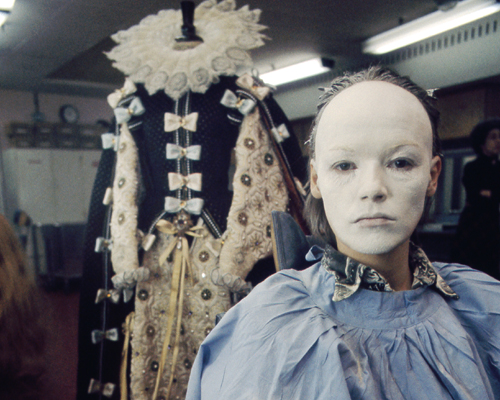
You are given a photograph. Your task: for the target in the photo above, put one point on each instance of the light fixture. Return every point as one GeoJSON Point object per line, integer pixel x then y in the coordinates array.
{"type": "Point", "coordinates": [298, 71]}
{"type": "Point", "coordinates": [7, 5]}
{"type": "Point", "coordinates": [3, 17]}
{"type": "Point", "coordinates": [430, 25]}
{"type": "Point", "coordinates": [5, 8]}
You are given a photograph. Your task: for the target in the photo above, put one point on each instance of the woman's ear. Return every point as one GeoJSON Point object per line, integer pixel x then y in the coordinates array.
{"type": "Point", "coordinates": [436, 165]}
{"type": "Point", "coordinates": [314, 181]}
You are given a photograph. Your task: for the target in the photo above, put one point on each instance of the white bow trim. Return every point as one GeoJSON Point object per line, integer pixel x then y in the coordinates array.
{"type": "Point", "coordinates": [102, 244]}
{"type": "Point", "coordinates": [247, 82]}
{"type": "Point", "coordinates": [192, 206]}
{"type": "Point", "coordinates": [244, 106]}
{"type": "Point", "coordinates": [119, 94]}
{"type": "Point", "coordinates": [110, 140]}
{"type": "Point", "coordinates": [135, 108]}
{"type": "Point", "coordinates": [98, 335]}
{"type": "Point", "coordinates": [174, 152]}
{"type": "Point", "coordinates": [174, 122]}
{"type": "Point", "coordinates": [177, 181]}
{"type": "Point", "coordinates": [108, 196]}
{"type": "Point", "coordinates": [106, 389]}
{"type": "Point", "coordinates": [102, 294]}
{"type": "Point", "coordinates": [281, 133]}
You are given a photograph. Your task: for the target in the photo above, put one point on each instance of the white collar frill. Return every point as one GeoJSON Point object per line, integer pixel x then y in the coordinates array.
{"type": "Point", "coordinates": [146, 54]}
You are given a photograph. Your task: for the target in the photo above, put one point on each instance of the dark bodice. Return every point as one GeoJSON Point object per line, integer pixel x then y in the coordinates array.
{"type": "Point", "coordinates": [216, 133]}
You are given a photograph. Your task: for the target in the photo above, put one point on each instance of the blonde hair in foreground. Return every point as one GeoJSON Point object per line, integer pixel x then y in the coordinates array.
{"type": "Point", "coordinates": [22, 335]}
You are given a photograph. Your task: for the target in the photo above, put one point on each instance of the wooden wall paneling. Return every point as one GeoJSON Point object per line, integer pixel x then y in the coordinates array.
{"type": "Point", "coordinates": [460, 112]}
{"type": "Point", "coordinates": [492, 101]}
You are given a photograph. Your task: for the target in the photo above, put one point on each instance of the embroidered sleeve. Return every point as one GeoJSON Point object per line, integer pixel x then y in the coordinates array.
{"type": "Point", "coordinates": [258, 189]}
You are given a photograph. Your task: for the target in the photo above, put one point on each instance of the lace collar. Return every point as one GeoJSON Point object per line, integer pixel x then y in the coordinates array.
{"type": "Point", "coordinates": [145, 52]}
{"type": "Point", "coordinates": [351, 275]}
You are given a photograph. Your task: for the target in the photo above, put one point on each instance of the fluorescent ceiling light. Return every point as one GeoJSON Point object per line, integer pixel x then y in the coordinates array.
{"type": "Point", "coordinates": [430, 25]}
{"type": "Point", "coordinates": [3, 17]}
{"type": "Point", "coordinates": [5, 7]}
{"type": "Point", "coordinates": [294, 72]}
{"type": "Point", "coordinates": [7, 4]}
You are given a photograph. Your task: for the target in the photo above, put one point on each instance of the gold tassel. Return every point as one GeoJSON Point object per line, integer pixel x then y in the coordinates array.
{"type": "Point", "coordinates": [182, 265]}
{"type": "Point", "coordinates": [129, 323]}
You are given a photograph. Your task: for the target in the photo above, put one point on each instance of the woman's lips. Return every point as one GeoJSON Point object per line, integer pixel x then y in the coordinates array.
{"type": "Point", "coordinates": [375, 220]}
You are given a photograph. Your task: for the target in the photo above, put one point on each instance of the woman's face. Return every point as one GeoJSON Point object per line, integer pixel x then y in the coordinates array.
{"type": "Point", "coordinates": [491, 146]}
{"type": "Point", "coordinates": [374, 166]}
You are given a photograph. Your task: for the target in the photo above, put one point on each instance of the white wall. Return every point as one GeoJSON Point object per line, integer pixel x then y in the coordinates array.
{"type": "Point", "coordinates": [17, 106]}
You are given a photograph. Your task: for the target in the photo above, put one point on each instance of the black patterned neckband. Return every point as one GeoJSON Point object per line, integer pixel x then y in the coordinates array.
{"type": "Point", "coordinates": [351, 275]}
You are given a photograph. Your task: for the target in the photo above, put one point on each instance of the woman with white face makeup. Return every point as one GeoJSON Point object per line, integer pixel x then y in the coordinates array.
{"type": "Point", "coordinates": [373, 318]}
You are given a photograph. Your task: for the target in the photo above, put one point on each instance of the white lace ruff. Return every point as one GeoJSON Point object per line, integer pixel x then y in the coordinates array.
{"type": "Point", "coordinates": [145, 51]}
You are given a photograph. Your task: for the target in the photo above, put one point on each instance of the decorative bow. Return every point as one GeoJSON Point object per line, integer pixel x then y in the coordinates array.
{"type": "Point", "coordinates": [191, 152]}
{"type": "Point", "coordinates": [108, 196]}
{"type": "Point", "coordinates": [98, 336]}
{"type": "Point", "coordinates": [106, 389]}
{"type": "Point", "coordinates": [148, 241]}
{"type": "Point", "coordinates": [244, 106]}
{"type": "Point", "coordinates": [102, 244]}
{"type": "Point", "coordinates": [181, 244]}
{"type": "Point", "coordinates": [431, 93]}
{"type": "Point", "coordinates": [119, 94]}
{"type": "Point", "coordinates": [182, 265]}
{"type": "Point", "coordinates": [113, 295]}
{"type": "Point", "coordinates": [177, 181]}
{"type": "Point", "coordinates": [110, 140]}
{"type": "Point", "coordinates": [135, 108]}
{"type": "Point", "coordinates": [192, 206]}
{"type": "Point", "coordinates": [127, 280]}
{"type": "Point", "coordinates": [280, 133]}
{"type": "Point", "coordinates": [247, 82]}
{"type": "Point", "coordinates": [174, 122]}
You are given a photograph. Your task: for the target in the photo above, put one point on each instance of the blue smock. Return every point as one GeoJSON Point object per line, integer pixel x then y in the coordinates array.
{"type": "Point", "coordinates": [289, 340]}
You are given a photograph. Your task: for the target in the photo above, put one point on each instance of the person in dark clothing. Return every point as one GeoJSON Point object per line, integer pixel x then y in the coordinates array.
{"type": "Point", "coordinates": [478, 234]}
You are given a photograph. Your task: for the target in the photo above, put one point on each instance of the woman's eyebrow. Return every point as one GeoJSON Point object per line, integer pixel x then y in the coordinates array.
{"type": "Point", "coordinates": [395, 149]}
{"type": "Point", "coordinates": [341, 148]}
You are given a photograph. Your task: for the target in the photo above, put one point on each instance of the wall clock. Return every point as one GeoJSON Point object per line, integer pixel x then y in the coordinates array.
{"type": "Point", "coordinates": [69, 114]}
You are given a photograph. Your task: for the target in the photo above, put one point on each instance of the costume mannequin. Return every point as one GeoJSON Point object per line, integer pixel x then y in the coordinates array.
{"type": "Point", "coordinates": [372, 318]}
{"type": "Point", "coordinates": [173, 242]}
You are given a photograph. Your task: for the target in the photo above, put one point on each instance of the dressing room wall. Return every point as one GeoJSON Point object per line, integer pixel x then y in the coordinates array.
{"type": "Point", "coordinates": [18, 106]}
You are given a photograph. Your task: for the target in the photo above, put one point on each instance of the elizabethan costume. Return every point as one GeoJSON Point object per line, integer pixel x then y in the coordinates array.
{"type": "Point", "coordinates": [171, 237]}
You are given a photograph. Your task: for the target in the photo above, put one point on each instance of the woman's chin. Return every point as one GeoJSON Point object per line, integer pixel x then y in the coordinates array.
{"type": "Point", "coordinates": [376, 245]}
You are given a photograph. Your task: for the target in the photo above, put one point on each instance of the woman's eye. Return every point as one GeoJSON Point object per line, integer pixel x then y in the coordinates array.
{"type": "Point", "coordinates": [344, 166]}
{"type": "Point", "coordinates": [402, 164]}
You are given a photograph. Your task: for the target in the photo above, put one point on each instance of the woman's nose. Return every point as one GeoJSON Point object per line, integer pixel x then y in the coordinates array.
{"type": "Point", "coordinates": [372, 185]}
